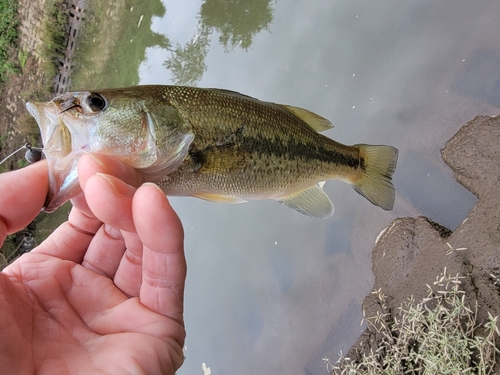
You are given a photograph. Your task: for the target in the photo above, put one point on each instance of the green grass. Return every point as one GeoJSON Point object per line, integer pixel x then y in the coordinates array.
{"type": "Point", "coordinates": [439, 335]}
{"type": "Point", "coordinates": [8, 37]}
{"type": "Point", "coordinates": [23, 58]}
{"type": "Point", "coordinates": [52, 35]}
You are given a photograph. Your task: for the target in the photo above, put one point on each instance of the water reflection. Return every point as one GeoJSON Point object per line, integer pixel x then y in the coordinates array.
{"type": "Point", "coordinates": [236, 21]}
{"type": "Point", "coordinates": [122, 33]}
{"type": "Point", "coordinates": [187, 64]}
{"type": "Point", "coordinates": [271, 291]}
{"type": "Point", "coordinates": [120, 36]}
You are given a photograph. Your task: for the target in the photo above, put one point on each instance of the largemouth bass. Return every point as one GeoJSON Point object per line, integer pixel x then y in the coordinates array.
{"type": "Point", "coordinates": [213, 144]}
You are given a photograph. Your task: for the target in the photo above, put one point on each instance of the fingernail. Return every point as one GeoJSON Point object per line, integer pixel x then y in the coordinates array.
{"type": "Point", "coordinates": [120, 187]}
{"type": "Point", "coordinates": [153, 185]}
{"type": "Point", "coordinates": [108, 178]}
{"type": "Point", "coordinates": [97, 160]}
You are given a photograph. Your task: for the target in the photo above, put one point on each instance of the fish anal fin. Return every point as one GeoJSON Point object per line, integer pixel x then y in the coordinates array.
{"type": "Point", "coordinates": [219, 198]}
{"type": "Point", "coordinates": [312, 202]}
{"type": "Point", "coordinates": [375, 183]}
{"type": "Point", "coordinates": [315, 121]}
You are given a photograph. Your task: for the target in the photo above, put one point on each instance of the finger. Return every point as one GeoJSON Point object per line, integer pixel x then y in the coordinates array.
{"type": "Point", "coordinates": [22, 195]}
{"type": "Point", "coordinates": [80, 203]}
{"type": "Point", "coordinates": [111, 201]}
{"type": "Point", "coordinates": [128, 277]}
{"type": "Point", "coordinates": [72, 238]}
{"type": "Point", "coordinates": [164, 264]}
{"type": "Point", "coordinates": [105, 251]}
{"type": "Point", "coordinates": [90, 164]}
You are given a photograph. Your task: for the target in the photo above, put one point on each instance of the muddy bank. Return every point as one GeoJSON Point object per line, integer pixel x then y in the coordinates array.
{"type": "Point", "coordinates": [412, 252]}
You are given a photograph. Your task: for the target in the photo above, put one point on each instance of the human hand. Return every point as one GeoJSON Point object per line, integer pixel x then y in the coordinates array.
{"type": "Point", "coordinates": [104, 293]}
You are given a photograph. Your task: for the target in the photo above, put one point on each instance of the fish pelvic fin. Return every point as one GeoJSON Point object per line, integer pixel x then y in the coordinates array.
{"type": "Point", "coordinates": [219, 198]}
{"type": "Point", "coordinates": [375, 181]}
{"type": "Point", "coordinates": [311, 202]}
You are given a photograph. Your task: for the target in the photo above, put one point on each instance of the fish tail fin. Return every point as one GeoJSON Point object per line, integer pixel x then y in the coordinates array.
{"type": "Point", "coordinates": [375, 181]}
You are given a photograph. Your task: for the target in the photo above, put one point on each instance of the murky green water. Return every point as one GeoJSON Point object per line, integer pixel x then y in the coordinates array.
{"type": "Point", "coordinates": [270, 291]}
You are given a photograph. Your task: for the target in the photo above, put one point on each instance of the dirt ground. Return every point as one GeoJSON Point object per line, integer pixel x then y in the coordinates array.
{"type": "Point", "coordinates": [412, 252]}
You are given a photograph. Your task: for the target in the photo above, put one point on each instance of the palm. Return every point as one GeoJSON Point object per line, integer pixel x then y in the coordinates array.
{"type": "Point", "coordinates": [89, 319]}
{"type": "Point", "coordinates": [98, 298]}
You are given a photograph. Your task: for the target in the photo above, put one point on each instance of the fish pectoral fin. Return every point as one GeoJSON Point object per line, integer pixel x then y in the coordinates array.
{"type": "Point", "coordinates": [312, 202]}
{"type": "Point", "coordinates": [318, 123]}
{"type": "Point", "coordinates": [219, 198]}
{"type": "Point", "coordinates": [170, 161]}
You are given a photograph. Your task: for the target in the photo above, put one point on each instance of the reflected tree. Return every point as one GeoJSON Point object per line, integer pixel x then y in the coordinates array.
{"type": "Point", "coordinates": [237, 21]}
{"type": "Point", "coordinates": [187, 63]}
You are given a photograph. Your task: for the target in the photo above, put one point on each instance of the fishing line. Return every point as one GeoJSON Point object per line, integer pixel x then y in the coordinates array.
{"type": "Point", "coordinates": [32, 155]}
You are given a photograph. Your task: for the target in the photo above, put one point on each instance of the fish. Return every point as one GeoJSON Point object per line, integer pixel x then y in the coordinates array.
{"type": "Point", "coordinates": [214, 144]}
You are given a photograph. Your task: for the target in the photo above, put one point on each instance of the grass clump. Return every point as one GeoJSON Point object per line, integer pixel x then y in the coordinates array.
{"type": "Point", "coordinates": [53, 36]}
{"type": "Point", "coordinates": [8, 36]}
{"type": "Point", "coordinates": [439, 335]}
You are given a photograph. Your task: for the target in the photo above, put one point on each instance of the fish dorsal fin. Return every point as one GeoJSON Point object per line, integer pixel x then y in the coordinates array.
{"type": "Point", "coordinates": [234, 93]}
{"type": "Point", "coordinates": [312, 202]}
{"type": "Point", "coordinates": [219, 198]}
{"type": "Point", "coordinates": [318, 123]}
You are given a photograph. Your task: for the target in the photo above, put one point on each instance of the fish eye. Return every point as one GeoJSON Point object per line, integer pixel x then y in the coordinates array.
{"type": "Point", "coordinates": [96, 102]}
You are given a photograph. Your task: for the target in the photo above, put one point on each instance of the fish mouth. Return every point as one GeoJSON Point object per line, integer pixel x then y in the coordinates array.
{"type": "Point", "coordinates": [62, 162]}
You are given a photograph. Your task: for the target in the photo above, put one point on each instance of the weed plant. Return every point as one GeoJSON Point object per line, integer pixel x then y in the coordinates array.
{"type": "Point", "coordinates": [53, 35]}
{"type": "Point", "coordinates": [8, 36]}
{"type": "Point", "coordinates": [439, 335]}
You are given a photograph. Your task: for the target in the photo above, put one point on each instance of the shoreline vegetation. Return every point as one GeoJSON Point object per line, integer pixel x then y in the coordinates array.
{"type": "Point", "coordinates": [13, 58]}
{"type": "Point", "coordinates": [440, 334]}
{"type": "Point", "coordinates": [37, 68]}
{"type": "Point", "coordinates": [8, 40]}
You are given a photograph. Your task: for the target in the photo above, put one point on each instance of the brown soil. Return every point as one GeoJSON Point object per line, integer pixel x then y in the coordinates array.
{"type": "Point", "coordinates": [414, 251]}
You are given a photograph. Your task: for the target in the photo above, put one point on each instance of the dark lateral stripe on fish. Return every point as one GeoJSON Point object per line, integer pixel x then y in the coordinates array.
{"type": "Point", "coordinates": [293, 149]}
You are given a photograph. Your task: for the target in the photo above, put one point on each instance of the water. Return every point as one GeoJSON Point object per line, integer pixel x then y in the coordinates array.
{"type": "Point", "coordinates": [270, 291]}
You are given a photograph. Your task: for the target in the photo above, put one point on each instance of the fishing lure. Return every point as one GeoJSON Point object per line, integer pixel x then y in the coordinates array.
{"type": "Point", "coordinates": [32, 155]}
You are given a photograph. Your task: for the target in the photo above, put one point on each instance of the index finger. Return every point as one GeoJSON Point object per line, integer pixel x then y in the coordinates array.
{"type": "Point", "coordinates": [90, 164]}
{"type": "Point", "coordinates": [22, 195]}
